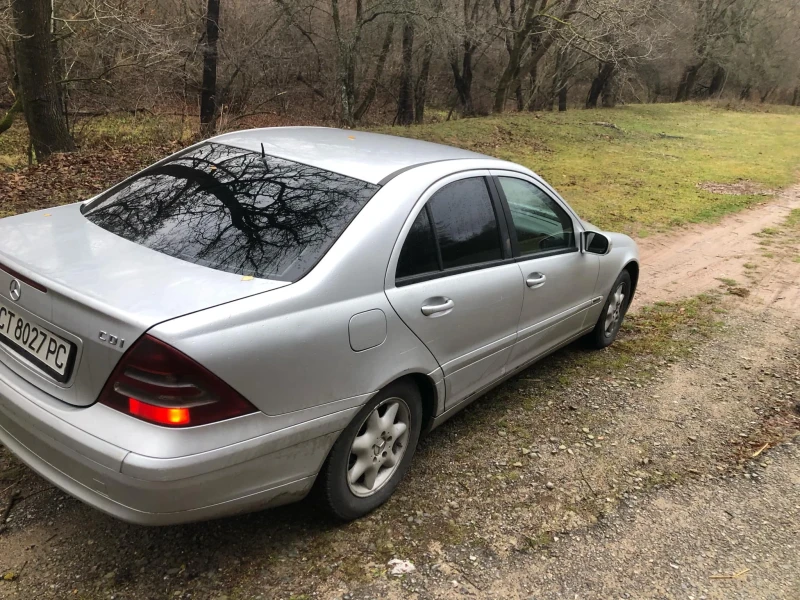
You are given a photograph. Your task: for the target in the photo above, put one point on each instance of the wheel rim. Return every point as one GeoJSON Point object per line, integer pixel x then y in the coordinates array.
{"type": "Point", "coordinates": [614, 311]}
{"type": "Point", "coordinates": [379, 447]}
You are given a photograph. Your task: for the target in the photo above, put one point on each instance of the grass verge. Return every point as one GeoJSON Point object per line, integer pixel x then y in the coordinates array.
{"type": "Point", "coordinates": [641, 175]}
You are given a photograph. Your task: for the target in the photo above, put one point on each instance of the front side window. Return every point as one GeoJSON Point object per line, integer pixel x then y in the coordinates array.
{"type": "Point", "coordinates": [540, 224]}
{"type": "Point", "coordinates": [234, 210]}
{"type": "Point", "coordinates": [458, 224]}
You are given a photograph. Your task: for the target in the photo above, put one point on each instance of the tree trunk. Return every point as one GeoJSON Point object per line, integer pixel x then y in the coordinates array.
{"type": "Point", "coordinates": [745, 93]}
{"type": "Point", "coordinates": [38, 85]}
{"type": "Point", "coordinates": [767, 93]}
{"type": "Point", "coordinates": [520, 98]}
{"type": "Point", "coordinates": [346, 82]}
{"type": "Point", "coordinates": [796, 96]}
{"type": "Point", "coordinates": [609, 95]}
{"type": "Point", "coordinates": [559, 86]}
{"type": "Point", "coordinates": [405, 100]}
{"type": "Point", "coordinates": [59, 70]}
{"type": "Point", "coordinates": [7, 121]}
{"type": "Point", "coordinates": [508, 76]}
{"type": "Point", "coordinates": [463, 80]}
{"type": "Point", "coordinates": [421, 91]}
{"type": "Point", "coordinates": [717, 82]}
{"type": "Point", "coordinates": [376, 79]}
{"type": "Point", "coordinates": [534, 101]}
{"type": "Point", "coordinates": [686, 87]}
{"type": "Point", "coordinates": [599, 84]}
{"type": "Point", "coordinates": [656, 91]}
{"type": "Point", "coordinates": [208, 90]}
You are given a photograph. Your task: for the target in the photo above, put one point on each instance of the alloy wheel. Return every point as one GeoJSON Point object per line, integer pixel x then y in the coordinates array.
{"type": "Point", "coordinates": [379, 447]}
{"type": "Point", "coordinates": [615, 309]}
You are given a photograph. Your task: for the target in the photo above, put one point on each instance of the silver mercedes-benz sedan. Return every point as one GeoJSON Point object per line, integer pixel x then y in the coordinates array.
{"type": "Point", "coordinates": [276, 311]}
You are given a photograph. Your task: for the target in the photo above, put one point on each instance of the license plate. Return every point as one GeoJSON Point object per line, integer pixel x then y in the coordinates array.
{"type": "Point", "coordinates": [51, 353]}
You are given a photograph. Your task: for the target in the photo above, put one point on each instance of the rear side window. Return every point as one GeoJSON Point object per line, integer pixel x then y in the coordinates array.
{"type": "Point", "coordinates": [458, 226]}
{"type": "Point", "coordinates": [465, 223]}
{"type": "Point", "coordinates": [234, 210]}
{"type": "Point", "coordinates": [418, 255]}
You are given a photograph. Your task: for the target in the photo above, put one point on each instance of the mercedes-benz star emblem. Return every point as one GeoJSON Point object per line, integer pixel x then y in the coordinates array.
{"type": "Point", "coordinates": [15, 290]}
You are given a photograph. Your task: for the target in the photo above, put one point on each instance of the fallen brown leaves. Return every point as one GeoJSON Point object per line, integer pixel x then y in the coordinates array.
{"type": "Point", "coordinates": [73, 177]}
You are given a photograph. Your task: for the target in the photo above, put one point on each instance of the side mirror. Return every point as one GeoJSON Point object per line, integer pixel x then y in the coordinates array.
{"type": "Point", "coordinates": [596, 243]}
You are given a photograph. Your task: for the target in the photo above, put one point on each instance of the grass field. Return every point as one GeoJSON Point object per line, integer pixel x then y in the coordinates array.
{"type": "Point", "coordinates": [634, 178]}
{"type": "Point", "coordinates": [640, 176]}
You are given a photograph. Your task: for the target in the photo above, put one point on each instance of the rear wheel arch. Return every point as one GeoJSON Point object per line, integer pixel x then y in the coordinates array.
{"type": "Point", "coordinates": [427, 390]}
{"type": "Point", "coordinates": [334, 487]}
{"type": "Point", "coordinates": [428, 393]}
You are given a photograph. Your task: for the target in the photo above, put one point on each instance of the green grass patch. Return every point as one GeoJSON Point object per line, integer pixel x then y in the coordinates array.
{"type": "Point", "coordinates": [664, 330]}
{"type": "Point", "coordinates": [659, 329]}
{"type": "Point", "coordinates": [727, 281]}
{"type": "Point", "coordinates": [767, 231]}
{"type": "Point", "coordinates": [114, 131]}
{"type": "Point", "coordinates": [793, 220]}
{"type": "Point", "coordinates": [636, 179]}
{"type": "Point", "coordinates": [732, 287]}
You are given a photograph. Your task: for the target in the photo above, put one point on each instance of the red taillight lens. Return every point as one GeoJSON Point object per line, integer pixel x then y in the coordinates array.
{"type": "Point", "coordinates": [159, 414]}
{"type": "Point", "coordinates": [157, 383]}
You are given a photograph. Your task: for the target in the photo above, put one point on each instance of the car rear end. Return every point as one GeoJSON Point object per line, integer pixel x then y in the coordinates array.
{"type": "Point", "coordinates": [112, 414]}
{"type": "Point", "coordinates": [121, 420]}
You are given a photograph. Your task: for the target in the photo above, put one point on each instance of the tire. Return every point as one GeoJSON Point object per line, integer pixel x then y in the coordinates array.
{"type": "Point", "coordinates": [607, 327]}
{"type": "Point", "coordinates": [347, 500]}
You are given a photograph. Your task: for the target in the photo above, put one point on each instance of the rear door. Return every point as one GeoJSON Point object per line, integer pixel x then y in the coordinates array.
{"type": "Point", "coordinates": [557, 278]}
{"type": "Point", "coordinates": [453, 281]}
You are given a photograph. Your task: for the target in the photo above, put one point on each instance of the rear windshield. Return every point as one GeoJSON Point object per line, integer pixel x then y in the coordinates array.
{"type": "Point", "coordinates": [234, 210]}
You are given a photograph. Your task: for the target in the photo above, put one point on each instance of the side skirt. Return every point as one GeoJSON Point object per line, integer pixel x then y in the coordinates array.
{"type": "Point", "coordinates": [474, 396]}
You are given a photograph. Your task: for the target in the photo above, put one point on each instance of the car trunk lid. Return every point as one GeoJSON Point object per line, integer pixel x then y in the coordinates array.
{"type": "Point", "coordinates": [102, 293]}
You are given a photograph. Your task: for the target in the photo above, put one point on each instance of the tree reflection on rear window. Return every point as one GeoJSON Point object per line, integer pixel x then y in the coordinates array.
{"type": "Point", "coordinates": [235, 210]}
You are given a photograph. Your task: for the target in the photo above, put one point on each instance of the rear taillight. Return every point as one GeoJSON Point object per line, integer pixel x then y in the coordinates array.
{"type": "Point", "coordinates": [157, 383]}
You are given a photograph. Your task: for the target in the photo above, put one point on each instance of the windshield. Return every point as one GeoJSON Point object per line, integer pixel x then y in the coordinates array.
{"type": "Point", "coordinates": [234, 210]}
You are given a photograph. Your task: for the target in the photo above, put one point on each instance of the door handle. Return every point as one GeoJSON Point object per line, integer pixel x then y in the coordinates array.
{"type": "Point", "coordinates": [535, 280]}
{"type": "Point", "coordinates": [433, 306]}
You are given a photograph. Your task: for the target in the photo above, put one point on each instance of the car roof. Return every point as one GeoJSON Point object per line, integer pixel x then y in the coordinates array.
{"type": "Point", "coordinates": [371, 157]}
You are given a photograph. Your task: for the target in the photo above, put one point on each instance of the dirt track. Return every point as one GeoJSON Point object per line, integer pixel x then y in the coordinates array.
{"type": "Point", "coordinates": [584, 477]}
{"type": "Point", "coordinates": [692, 261]}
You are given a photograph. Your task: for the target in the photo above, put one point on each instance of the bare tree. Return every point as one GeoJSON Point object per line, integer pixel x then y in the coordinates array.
{"type": "Point", "coordinates": [538, 29]}
{"type": "Point", "coordinates": [208, 91]}
{"type": "Point", "coordinates": [467, 38]}
{"type": "Point", "coordinates": [349, 60]}
{"type": "Point", "coordinates": [599, 83]}
{"type": "Point", "coordinates": [421, 87]}
{"type": "Point", "coordinates": [37, 81]}
{"type": "Point", "coordinates": [405, 100]}
{"type": "Point", "coordinates": [716, 22]}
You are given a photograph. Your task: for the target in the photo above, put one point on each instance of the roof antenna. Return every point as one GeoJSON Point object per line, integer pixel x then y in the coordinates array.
{"type": "Point", "coordinates": [263, 154]}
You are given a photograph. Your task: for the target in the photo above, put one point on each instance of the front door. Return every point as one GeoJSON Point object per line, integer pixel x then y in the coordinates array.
{"type": "Point", "coordinates": [558, 280]}
{"type": "Point", "coordinates": [456, 285]}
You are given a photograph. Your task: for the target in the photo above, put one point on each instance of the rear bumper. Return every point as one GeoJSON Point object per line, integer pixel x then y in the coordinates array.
{"type": "Point", "coordinates": [270, 470]}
